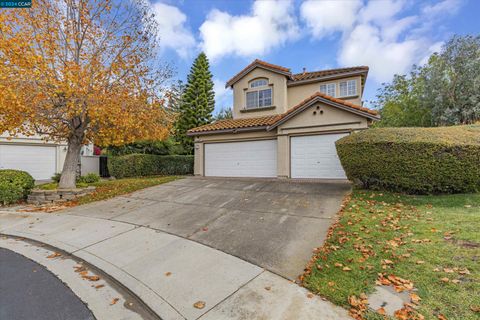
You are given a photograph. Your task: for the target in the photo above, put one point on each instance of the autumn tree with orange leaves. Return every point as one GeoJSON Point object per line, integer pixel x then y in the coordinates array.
{"type": "Point", "coordinates": [81, 71]}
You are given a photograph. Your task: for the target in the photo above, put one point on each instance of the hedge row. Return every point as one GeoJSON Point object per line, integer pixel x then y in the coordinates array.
{"type": "Point", "coordinates": [138, 165]}
{"type": "Point", "coordinates": [14, 185]}
{"type": "Point", "coordinates": [414, 160]}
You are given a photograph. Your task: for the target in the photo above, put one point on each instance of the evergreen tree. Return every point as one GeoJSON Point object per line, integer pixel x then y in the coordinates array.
{"type": "Point", "coordinates": [197, 103]}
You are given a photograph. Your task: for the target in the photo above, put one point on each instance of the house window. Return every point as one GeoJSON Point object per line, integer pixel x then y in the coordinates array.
{"type": "Point", "coordinates": [262, 97]}
{"type": "Point", "coordinates": [348, 88]}
{"type": "Point", "coordinates": [258, 83]}
{"type": "Point", "coordinates": [328, 89]}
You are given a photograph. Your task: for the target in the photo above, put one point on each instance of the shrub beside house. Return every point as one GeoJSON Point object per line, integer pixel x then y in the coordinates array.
{"type": "Point", "coordinates": [414, 160]}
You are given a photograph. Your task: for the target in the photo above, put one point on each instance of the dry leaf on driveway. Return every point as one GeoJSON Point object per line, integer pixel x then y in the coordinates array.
{"type": "Point", "coordinates": [199, 304]}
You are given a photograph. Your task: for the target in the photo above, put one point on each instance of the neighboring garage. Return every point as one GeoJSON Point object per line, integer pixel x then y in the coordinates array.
{"type": "Point", "coordinates": [39, 161]}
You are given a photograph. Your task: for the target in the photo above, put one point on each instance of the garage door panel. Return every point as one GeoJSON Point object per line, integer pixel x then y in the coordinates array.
{"type": "Point", "coordinates": [316, 157]}
{"type": "Point", "coordinates": [39, 161]}
{"type": "Point", "coordinates": [241, 159]}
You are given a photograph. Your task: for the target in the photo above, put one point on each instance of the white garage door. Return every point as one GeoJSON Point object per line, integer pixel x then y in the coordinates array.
{"type": "Point", "coordinates": [316, 157]}
{"type": "Point", "coordinates": [241, 159]}
{"type": "Point", "coordinates": [39, 161]}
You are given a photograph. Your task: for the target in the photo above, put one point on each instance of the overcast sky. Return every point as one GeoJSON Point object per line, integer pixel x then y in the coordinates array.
{"type": "Point", "coordinates": [389, 36]}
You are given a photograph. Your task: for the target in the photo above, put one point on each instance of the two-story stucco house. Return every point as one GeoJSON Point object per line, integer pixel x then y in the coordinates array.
{"type": "Point", "coordinates": [284, 125]}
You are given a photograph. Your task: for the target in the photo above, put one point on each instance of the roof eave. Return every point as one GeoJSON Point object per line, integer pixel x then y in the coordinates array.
{"type": "Point", "coordinates": [292, 83]}
{"type": "Point", "coordinates": [242, 74]}
{"type": "Point", "coordinates": [220, 131]}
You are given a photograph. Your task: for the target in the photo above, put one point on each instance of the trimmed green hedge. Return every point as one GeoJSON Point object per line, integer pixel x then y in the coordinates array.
{"type": "Point", "coordinates": [414, 160]}
{"type": "Point", "coordinates": [14, 185]}
{"type": "Point", "coordinates": [138, 165]}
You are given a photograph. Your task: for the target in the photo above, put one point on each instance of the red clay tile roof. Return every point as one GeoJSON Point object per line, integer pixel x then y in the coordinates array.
{"type": "Point", "coordinates": [255, 63]}
{"type": "Point", "coordinates": [236, 124]}
{"type": "Point", "coordinates": [324, 73]}
{"type": "Point", "coordinates": [274, 120]}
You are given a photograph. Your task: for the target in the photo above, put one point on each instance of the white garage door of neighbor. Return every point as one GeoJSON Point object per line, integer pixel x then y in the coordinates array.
{"type": "Point", "coordinates": [241, 159]}
{"type": "Point", "coordinates": [316, 157]}
{"type": "Point", "coordinates": [39, 161]}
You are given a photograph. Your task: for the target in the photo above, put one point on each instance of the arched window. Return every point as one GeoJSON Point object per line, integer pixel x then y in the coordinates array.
{"type": "Point", "coordinates": [258, 83]}
{"type": "Point", "coordinates": [261, 97]}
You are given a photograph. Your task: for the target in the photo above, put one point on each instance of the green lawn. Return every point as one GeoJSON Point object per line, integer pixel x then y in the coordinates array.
{"type": "Point", "coordinates": [111, 188]}
{"type": "Point", "coordinates": [432, 241]}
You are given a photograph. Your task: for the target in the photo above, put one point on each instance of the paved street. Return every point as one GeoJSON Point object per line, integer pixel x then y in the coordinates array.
{"type": "Point", "coordinates": [29, 291]}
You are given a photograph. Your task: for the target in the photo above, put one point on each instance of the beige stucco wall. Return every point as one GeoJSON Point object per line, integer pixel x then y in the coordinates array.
{"type": "Point", "coordinates": [278, 83]}
{"type": "Point", "coordinates": [298, 93]}
{"type": "Point", "coordinates": [332, 120]}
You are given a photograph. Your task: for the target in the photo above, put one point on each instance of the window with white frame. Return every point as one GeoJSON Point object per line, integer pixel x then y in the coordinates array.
{"type": "Point", "coordinates": [261, 97]}
{"type": "Point", "coordinates": [328, 89]}
{"type": "Point", "coordinates": [348, 88]}
{"type": "Point", "coordinates": [259, 83]}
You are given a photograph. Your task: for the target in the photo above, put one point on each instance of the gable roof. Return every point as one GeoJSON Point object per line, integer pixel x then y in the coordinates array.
{"type": "Point", "coordinates": [314, 75]}
{"type": "Point", "coordinates": [329, 100]}
{"type": "Point", "coordinates": [271, 122]}
{"type": "Point", "coordinates": [257, 64]}
{"type": "Point", "coordinates": [297, 78]}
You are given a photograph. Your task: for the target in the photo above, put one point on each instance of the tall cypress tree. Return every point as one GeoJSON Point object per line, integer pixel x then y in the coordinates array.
{"type": "Point", "coordinates": [198, 101]}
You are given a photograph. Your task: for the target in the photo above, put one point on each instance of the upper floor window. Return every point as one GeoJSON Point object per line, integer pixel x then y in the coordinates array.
{"type": "Point", "coordinates": [348, 88]}
{"type": "Point", "coordinates": [258, 83]}
{"type": "Point", "coordinates": [328, 89]}
{"type": "Point", "coordinates": [262, 97]}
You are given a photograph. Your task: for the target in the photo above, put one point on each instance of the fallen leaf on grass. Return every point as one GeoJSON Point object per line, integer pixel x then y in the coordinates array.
{"type": "Point", "coordinates": [381, 311]}
{"type": "Point", "coordinates": [448, 270]}
{"type": "Point", "coordinates": [445, 280]}
{"type": "Point", "coordinates": [441, 317]}
{"type": "Point", "coordinates": [346, 269]}
{"type": "Point", "coordinates": [420, 262]}
{"type": "Point", "coordinates": [464, 271]}
{"type": "Point", "coordinates": [456, 281]}
{"type": "Point", "coordinates": [199, 304]}
{"type": "Point", "coordinates": [415, 298]}
{"type": "Point", "coordinates": [475, 308]}
{"type": "Point", "coordinates": [338, 264]}
{"type": "Point", "coordinates": [114, 301]}
{"type": "Point", "coordinates": [54, 255]}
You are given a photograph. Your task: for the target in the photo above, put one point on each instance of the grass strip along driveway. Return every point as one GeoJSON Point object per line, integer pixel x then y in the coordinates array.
{"type": "Point", "coordinates": [111, 188]}
{"type": "Point", "coordinates": [428, 246]}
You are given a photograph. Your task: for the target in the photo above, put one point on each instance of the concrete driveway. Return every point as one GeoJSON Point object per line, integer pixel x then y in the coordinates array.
{"type": "Point", "coordinates": [274, 224]}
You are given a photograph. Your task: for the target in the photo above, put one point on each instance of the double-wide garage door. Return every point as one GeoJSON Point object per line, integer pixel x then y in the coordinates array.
{"type": "Point", "coordinates": [241, 159]}
{"type": "Point", "coordinates": [39, 161]}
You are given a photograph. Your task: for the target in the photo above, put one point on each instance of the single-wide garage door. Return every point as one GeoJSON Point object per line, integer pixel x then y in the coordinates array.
{"type": "Point", "coordinates": [241, 159]}
{"type": "Point", "coordinates": [316, 157]}
{"type": "Point", "coordinates": [39, 161]}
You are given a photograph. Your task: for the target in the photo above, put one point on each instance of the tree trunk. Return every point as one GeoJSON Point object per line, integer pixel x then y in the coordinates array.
{"type": "Point", "coordinates": [69, 172]}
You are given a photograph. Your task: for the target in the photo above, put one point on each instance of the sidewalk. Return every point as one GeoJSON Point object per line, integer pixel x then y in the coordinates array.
{"type": "Point", "coordinates": [170, 273]}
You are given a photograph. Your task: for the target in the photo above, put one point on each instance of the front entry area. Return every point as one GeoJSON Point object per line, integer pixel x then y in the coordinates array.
{"type": "Point", "coordinates": [315, 156]}
{"type": "Point", "coordinates": [241, 159]}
